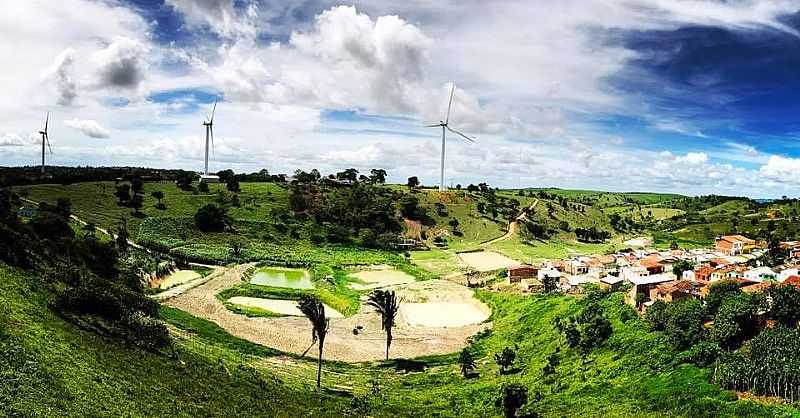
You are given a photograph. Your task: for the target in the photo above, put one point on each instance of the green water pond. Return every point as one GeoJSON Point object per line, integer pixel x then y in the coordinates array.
{"type": "Point", "coordinates": [279, 277]}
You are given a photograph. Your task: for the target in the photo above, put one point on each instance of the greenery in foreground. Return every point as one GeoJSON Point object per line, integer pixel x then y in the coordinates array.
{"type": "Point", "coordinates": [54, 366]}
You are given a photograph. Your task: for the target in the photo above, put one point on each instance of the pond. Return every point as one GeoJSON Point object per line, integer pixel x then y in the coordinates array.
{"type": "Point", "coordinates": [281, 277]}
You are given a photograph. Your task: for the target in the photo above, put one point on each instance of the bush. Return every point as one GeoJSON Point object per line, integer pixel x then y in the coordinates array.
{"type": "Point", "coordinates": [212, 218]}
{"type": "Point", "coordinates": [146, 332]}
{"type": "Point", "coordinates": [702, 354]}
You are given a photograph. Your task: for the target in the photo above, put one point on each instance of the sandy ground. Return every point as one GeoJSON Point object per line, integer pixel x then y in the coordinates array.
{"type": "Point", "coordinates": [442, 314]}
{"type": "Point", "coordinates": [374, 279]}
{"type": "Point", "coordinates": [487, 260]}
{"type": "Point", "coordinates": [293, 334]}
{"type": "Point", "coordinates": [178, 277]}
{"type": "Point", "coordinates": [283, 307]}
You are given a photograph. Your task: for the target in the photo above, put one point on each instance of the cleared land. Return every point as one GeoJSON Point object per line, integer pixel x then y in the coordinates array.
{"type": "Point", "coordinates": [484, 261]}
{"type": "Point", "coordinates": [292, 334]}
{"type": "Point", "coordinates": [374, 279]}
{"type": "Point", "coordinates": [178, 277]}
{"type": "Point", "coordinates": [278, 306]}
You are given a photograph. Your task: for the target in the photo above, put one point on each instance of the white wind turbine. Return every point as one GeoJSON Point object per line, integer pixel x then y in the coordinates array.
{"type": "Point", "coordinates": [209, 124]}
{"type": "Point", "coordinates": [446, 127]}
{"type": "Point", "coordinates": [45, 139]}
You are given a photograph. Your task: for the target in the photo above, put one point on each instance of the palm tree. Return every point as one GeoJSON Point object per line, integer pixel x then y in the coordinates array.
{"type": "Point", "coordinates": [385, 303]}
{"type": "Point", "coordinates": [314, 310]}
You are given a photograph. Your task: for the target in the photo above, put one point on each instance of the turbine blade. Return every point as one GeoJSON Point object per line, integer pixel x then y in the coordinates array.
{"type": "Point", "coordinates": [460, 133]}
{"type": "Point", "coordinates": [48, 143]}
{"type": "Point", "coordinates": [211, 132]}
{"type": "Point", "coordinates": [433, 126]}
{"type": "Point", "coordinates": [450, 103]}
{"type": "Point", "coordinates": [214, 109]}
{"type": "Point", "coordinates": [46, 120]}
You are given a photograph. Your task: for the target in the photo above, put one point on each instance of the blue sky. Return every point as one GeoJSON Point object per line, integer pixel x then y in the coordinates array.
{"type": "Point", "coordinates": [688, 96]}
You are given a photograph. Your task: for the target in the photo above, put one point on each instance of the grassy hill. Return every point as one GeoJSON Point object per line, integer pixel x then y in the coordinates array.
{"type": "Point", "coordinates": [52, 368]}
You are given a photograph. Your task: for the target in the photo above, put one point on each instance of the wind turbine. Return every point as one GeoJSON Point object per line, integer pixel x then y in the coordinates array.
{"type": "Point", "coordinates": [446, 127]}
{"type": "Point", "coordinates": [45, 139]}
{"type": "Point", "coordinates": [209, 124]}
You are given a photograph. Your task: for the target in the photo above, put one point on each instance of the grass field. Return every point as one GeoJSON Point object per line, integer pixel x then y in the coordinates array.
{"type": "Point", "coordinates": [639, 213]}
{"type": "Point", "coordinates": [56, 367]}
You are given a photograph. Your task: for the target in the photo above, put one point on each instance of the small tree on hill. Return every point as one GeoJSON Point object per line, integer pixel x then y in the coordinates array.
{"type": "Point", "coordinates": [233, 185]}
{"type": "Point", "coordinates": [203, 187]}
{"type": "Point", "coordinates": [136, 203]}
{"type": "Point", "coordinates": [386, 304]}
{"type": "Point", "coordinates": [211, 218]}
{"type": "Point", "coordinates": [158, 195]}
{"type": "Point", "coordinates": [413, 182]}
{"type": "Point", "coordinates": [314, 310]}
{"type": "Point", "coordinates": [467, 362]}
{"type": "Point", "coordinates": [122, 236]}
{"type": "Point", "coordinates": [505, 359]}
{"type": "Point", "coordinates": [514, 397]}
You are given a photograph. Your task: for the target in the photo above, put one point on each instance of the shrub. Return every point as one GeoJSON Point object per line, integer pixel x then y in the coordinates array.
{"type": "Point", "coordinates": [211, 218]}
{"type": "Point", "coordinates": [702, 354]}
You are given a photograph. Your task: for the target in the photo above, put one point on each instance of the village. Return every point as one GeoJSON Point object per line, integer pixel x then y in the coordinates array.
{"type": "Point", "coordinates": [648, 275]}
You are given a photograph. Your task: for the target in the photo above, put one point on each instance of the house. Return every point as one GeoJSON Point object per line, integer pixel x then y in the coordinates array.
{"type": "Point", "coordinates": [518, 273]}
{"type": "Point", "coordinates": [760, 274]}
{"type": "Point", "coordinates": [688, 275]}
{"type": "Point", "coordinates": [644, 285]}
{"type": "Point", "coordinates": [703, 273]}
{"type": "Point", "coordinates": [786, 273]}
{"type": "Point", "coordinates": [545, 273]}
{"type": "Point", "coordinates": [653, 264]}
{"type": "Point", "coordinates": [611, 283]}
{"type": "Point", "coordinates": [723, 273]}
{"type": "Point", "coordinates": [573, 284]}
{"type": "Point", "coordinates": [734, 244]}
{"type": "Point", "coordinates": [672, 291]}
{"type": "Point", "coordinates": [631, 272]}
{"type": "Point", "coordinates": [575, 267]}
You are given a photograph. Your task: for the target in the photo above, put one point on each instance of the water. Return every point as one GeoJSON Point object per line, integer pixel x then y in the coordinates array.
{"type": "Point", "coordinates": [291, 278]}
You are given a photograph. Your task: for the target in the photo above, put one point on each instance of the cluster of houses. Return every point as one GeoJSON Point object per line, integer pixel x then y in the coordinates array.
{"type": "Point", "coordinates": [648, 274]}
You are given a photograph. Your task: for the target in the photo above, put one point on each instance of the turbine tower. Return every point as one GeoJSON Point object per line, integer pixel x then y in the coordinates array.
{"type": "Point", "coordinates": [446, 127]}
{"type": "Point", "coordinates": [209, 124]}
{"type": "Point", "coordinates": [45, 139]}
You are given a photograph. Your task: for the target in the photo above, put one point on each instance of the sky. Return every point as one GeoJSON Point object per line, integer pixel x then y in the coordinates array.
{"type": "Point", "coordinates": [687, 96]}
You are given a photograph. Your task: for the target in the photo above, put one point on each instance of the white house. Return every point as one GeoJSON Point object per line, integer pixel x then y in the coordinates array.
{"type": "Point", "coordinates": [760, 274]}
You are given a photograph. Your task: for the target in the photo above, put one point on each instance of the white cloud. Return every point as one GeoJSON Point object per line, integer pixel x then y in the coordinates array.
{"type": "Point", "coordinates": [693, 158]}
{"type": "Point", "coordinates": [61, 71]}
{"type": "Point", "coordinates": [782, 169]}
{"type": "Point", "coordinates": [88, 127]}
{"type": "Point", "coordinates": [13, 140]}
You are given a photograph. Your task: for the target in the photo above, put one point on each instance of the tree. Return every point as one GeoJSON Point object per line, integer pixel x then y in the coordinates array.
{"type": "Point", "coordinates": [63, 207]}
{"type": "Point", "coordinates": [136, 202]}
{"type": "Point", "coordinates": [784, 305]}
{"type": "Point", "coordinates": [236, 245]}
{"type": "Point", "coordinates": [386, 304]}
{"type": "Point", "coordinates": [314, 310]}
{"type": "Point", "coordinates": [184, 180]}
{"type": "Point", "coordinates": [413, 182]}
{"type": "Point", "coordinates": [550, 284]}
{"type": "Point", "coordinates": [158, 195]}
{"type": "Point", "coordinates": [122, 236]}
{"type": "Point", "coordinates": [454, 224]}
{"type": "Point", "coordinates": [680, 266]}
{"type": "Point", "coordinates": [233, 185]}
{"type": "Point", "coordinates": [684, 325]}
{"type": "Point", "coordinates": [717, 293]}
{"type": "Point", "coordinates": [137, 185]}
{"type": "Point", "coordinates": [123, 194]}
{"type": "Point", "coordinates": [467, 361]}
{"type": "Point", "coordinates": [735, 321]}
{"type": "Point", "coordinates": [505, 359]}
{"type": "Point", "coordinates": [514, 397]}
{"type": "Point", "coordinates": [377, 176]}
{"type": "Point", "coordinates": [657, 316]}
{"type": "Point", "coordinates": [211, 218]}
{"type": "Point", "coordinates": [203, 187]}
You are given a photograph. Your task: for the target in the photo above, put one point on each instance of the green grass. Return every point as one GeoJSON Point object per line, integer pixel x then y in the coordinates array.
{"type": "Point", "coordinates": [50, 368]}
{"type": "Point", "coordinates": [95, 202]}
{"type": "Point", "coordinates": [639, 213]}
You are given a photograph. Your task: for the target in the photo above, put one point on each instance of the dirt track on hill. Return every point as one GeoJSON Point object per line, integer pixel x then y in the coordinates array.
{"type": "Point", "coordinates": [293, 334]}
{"type": "Point", "coordinates": [513, 226]}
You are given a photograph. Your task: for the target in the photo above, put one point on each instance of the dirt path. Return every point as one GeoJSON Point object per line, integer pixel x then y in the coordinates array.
{"type": "Point", "coordinates": [513, 226]}
{"type": "Point", "coordinates": [293, 334]}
